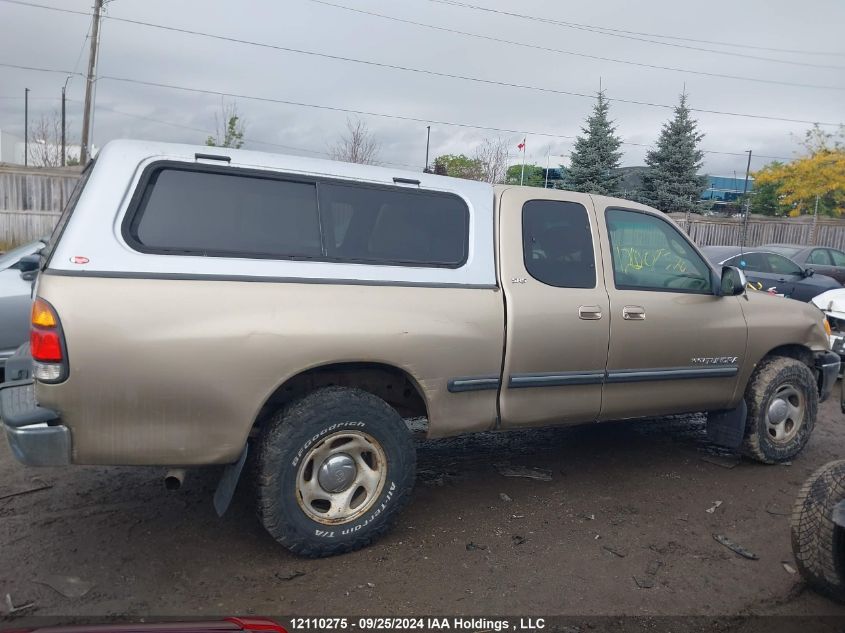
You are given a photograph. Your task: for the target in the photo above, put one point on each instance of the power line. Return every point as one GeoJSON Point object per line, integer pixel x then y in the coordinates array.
{"type": "Point", "coordinates": [575, 53]}
{"type": "Point", "coordinates": [629, 35]}
{"type": "Point", "coordinates": [436, 73]}
{"type": "Point", "coordinates": [454, 76]}
{"type": "Point", "coordinates": [791, 51]}
{"type": "Point", "coordinates": [35, 68]}
{"type": "Point", "coordinates": [600, 29]}
{"type": "Point", "coordinates": [34, 98]}
{"type": "Point", "coordinates": [82, 48]}
{"type": "Point", "coordinates": [321, 153]}
{"type": "Point", "coordinates": [209, 132]}
{"type": "Point", "coordinates": [217, 93]}
{"type": "Point", "coordinates": [546, 90]}
{"type": "Point", "coordinates": [365, 113]}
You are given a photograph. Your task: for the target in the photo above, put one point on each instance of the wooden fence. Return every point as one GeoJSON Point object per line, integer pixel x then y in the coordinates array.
{"type": "Point", "coordinates": [727, 232]}
{"type": "Point", "coordinates": [31, 200]}
{"type": "Point", "coordinates": [34, 188]}
{"type": "Point", "coordinates": [19, 227]}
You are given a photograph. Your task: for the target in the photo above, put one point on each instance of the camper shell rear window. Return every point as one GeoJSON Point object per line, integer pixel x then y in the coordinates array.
{"type": "Point", "coordinates": [212, 211]}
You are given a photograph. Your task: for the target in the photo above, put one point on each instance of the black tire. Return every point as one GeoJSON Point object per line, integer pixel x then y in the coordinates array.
{"type": "Point", "coordinates": [818, 544]}
{"type": "Point", "coordinates": [772, 374]}
{"type": "Point", "coordinates": [301, 427]}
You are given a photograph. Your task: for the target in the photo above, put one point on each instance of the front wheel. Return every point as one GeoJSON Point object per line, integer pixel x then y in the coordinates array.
{"type": "Point", "coordinates": [334, 470]}
{"type": "Point", "coordinates": [783, 401]}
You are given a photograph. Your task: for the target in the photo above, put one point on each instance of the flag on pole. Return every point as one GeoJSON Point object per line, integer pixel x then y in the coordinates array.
{"type": "Point", "coordinates": [521, 147]}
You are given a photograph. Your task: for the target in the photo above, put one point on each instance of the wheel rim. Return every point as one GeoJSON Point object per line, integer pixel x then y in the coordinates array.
{"type": "Point", "coordinates": [341, 477]}
{"type": "Point", "coordinates": [785, 414]}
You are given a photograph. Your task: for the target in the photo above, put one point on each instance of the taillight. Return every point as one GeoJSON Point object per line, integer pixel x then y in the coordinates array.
{"type": "Point", "coordinates": [257, 624]}
{"type": "Point", "coordinates": [46, 343]}
{"type": "Point", "coordinates": [45, 346]}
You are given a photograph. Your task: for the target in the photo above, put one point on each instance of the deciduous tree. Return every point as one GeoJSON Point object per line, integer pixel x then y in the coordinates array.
{"type": "Point", "coordinates": [45, 142]}
{"type": "Point", "coordinates": [459, 166]}
{"type": "Point", "coordinates": [820, 175]}
{"type": "Point", "coordinates": [492, 155]}
{"type": "Point", "coordinates": [358, 145]}
{"type": "Point", "coordinates": [230, 128]}
{"type": "Point", "coordinates": [766, 198]}
{"type": "Point", "coordinates": [534, 175]}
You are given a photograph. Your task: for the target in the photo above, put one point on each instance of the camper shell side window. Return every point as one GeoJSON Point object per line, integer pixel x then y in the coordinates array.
{"type": "Point", "coordinates": [211, 211]}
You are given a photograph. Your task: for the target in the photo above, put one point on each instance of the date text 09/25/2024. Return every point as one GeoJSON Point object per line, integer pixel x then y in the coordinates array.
{"type": "Point", "coordinates": [418, 624]}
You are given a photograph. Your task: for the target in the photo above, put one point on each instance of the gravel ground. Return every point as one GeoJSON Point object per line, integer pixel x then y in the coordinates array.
{"type": "Point", "coordinates": [622, 528]}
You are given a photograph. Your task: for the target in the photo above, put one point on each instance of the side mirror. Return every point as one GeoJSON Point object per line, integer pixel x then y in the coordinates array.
{"type": "Point", "coordinates": [733, 281]}
{"type": "Point", "coordinates": [29, 275]}
{"type": "Point", "coordinates": [29, 263]}
{"type": "Point", "coordinates": [809, 272]}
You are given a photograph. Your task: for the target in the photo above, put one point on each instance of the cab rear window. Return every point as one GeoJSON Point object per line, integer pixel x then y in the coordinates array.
{"type": "Point", "coordinates": [220, 212]}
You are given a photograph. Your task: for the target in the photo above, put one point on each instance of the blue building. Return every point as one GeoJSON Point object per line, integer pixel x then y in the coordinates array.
{"type": "Point", "coordinates": [724, 190]}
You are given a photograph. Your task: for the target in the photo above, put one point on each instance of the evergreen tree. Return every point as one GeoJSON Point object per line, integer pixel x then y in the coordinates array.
{"type": "Point", "coordinates": [594, 162]}
{"type": "Point", "coordinates": [671, 182]}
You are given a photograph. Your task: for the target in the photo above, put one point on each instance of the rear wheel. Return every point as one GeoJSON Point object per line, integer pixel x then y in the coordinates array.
{"type": "Point", "coordinates": [818, 543]}
{"type": "Point", "coordinates": [782, 400]}
{"type": "Point", "coordinates": [334, 470]}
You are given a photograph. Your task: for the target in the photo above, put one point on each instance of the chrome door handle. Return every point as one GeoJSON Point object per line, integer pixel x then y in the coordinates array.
{"type": "Point", "coordinates": [633, 313]}
{"type": "Point", "coordinates": [589, 313]}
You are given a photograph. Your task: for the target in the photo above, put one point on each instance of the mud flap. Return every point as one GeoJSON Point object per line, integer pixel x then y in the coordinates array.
{"type": "Point", "coordinates": [839, 514]}
{"type": "Point", "coordinates": [228, 482]}
{"type": "Point", "coordinates": [727, 428]}
{"type": "Point", "coordinates": [842, 394]}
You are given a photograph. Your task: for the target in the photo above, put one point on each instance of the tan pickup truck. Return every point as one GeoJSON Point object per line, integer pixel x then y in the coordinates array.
{"type": "Point", "coordinates": [194, 307]}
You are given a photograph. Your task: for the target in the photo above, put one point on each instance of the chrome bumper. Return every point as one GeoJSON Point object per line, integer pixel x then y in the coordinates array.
{"type": "Point", "coordinates": [827, 364]}
{"type": "Point", "coordinates": [34, 433]}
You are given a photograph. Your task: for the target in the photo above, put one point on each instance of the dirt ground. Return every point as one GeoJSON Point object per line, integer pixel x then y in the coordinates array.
{"type": "Point", "coordinates": [622, 528]}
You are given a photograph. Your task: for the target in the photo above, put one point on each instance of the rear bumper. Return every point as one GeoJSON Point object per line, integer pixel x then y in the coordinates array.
{"type": "Point", "coordinates": [40, 444]}
{"type": "Point", "coordinates": [35, 434]}
{"type": "Point", "coordinates": [827, 363]}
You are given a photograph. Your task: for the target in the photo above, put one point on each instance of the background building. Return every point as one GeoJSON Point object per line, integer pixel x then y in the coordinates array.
{"type": "Point", "coordinates": [722, 191]}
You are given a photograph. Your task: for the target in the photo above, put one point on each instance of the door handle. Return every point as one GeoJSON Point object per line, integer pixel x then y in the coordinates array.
{"type": "Point", "coordinates": [633, 313]}
{"type": "Point", "coordinates": [589, 313]}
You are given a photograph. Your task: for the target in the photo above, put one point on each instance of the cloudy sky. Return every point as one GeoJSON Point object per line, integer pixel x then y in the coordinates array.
{"type": "Point", "coordinates": [785, 42]}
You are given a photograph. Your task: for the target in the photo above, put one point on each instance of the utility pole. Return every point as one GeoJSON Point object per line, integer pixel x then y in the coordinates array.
{"type": "Point", "coordinates": [25, 127]}
{"type": "Point", "coordinates": [64, 147]}
{"type": "Point", "coordinates": [747, 204]}
{"type": "Point", "coordinates": [89, 85]}
{"type": "Point", "coordinates": [548, 155]}
{"type": "Point", "coordinates": [427, 143]}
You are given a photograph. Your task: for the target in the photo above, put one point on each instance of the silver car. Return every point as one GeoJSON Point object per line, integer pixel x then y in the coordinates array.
{"type": "Point", "coordinates": [15, 299]}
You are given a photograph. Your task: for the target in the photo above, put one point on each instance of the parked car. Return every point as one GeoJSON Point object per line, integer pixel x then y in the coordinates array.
{"type": "Point", "coordinates": [192, 307]}
{"type": "Point", "coordinates": [772, 272]}
{"type": "Point", "coordinates": [824, 260]}
{"type": "Point", "coordinates": [15, 299]}
{"type": "Point", "coordinates": [832, 303]}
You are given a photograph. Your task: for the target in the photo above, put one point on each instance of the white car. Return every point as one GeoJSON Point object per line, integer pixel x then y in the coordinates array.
{"type": "Point", "coordinates": [15, 299]}
{"type": "Point", "coordinates": [832, 303]}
